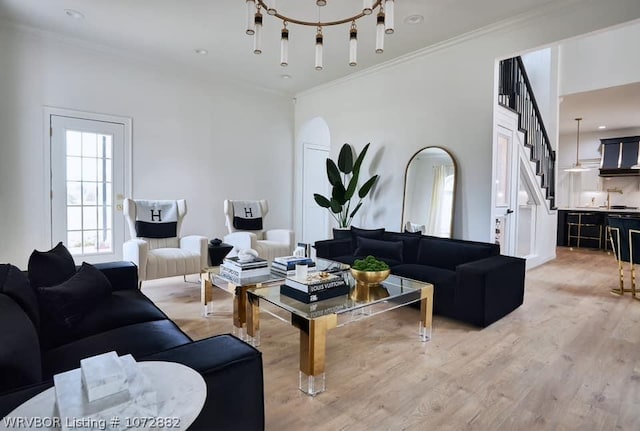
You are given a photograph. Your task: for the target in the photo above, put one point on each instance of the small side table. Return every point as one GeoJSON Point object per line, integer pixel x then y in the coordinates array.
{"type": "Point", "coordinates": [218, 252]}
{"type": "Point", "coordinates": [181, 395]}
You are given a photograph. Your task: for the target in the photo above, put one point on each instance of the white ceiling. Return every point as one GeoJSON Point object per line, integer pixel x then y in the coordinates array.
{"type": "Point", "coordinates": [170, 31]}
{"type": "Point", "coordinates": [614, 107]}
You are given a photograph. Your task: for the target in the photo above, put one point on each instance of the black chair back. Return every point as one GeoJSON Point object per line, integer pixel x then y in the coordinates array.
{"type": "Point", "coordinates": [633, 236]}
{"type": "Point", "coordinates": [625, 237]}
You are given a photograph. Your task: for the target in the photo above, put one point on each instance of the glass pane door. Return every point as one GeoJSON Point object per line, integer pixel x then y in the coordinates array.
{"type": "Point", "coordinates": [87, 178]}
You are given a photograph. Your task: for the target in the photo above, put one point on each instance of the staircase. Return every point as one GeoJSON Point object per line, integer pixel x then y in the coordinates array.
{"type": "Point", "coordinates": [516, 94]}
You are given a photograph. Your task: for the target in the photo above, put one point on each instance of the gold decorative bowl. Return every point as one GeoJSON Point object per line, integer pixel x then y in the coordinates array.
{"type": "Point", "coordinates": [368, 293]}
{"type": "Point", "coordinates": [369, 278]}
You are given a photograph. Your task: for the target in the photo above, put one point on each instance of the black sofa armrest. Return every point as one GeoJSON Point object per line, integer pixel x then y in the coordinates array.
{"type": "Point", "coordinates": [232, 370]}
{"type": "Point", "coordinates": [122, 275]}
{"type": "Point", "coordinates": [489, 289]}
{"type": "Point", "coordinates": [9, 401]}
{"type": "Point", "coordinates": [329, 248]}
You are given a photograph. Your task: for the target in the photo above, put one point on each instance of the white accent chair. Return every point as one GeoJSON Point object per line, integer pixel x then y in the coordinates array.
{"type": "Point", "coordinates": [269, 244]}
{"type": "Point", "coordinates": [164, 257]}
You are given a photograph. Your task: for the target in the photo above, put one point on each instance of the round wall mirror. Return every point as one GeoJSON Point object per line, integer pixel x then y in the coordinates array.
{"type": "Point", "coordinates": [429, 193]}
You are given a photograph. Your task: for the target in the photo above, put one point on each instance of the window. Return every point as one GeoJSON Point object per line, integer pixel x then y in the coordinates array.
{"type": "Point", "coordinates": [89, 192]}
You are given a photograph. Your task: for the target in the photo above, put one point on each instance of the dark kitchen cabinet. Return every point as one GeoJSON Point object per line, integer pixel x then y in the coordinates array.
{"type": "Point", "coordinates": [619, 155]}
{"type": "Point", "coordinates": [568, 218]}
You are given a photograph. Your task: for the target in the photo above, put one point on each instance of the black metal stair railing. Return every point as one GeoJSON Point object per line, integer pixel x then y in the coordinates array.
{"type": "Point", "coordinates": [515, 93]}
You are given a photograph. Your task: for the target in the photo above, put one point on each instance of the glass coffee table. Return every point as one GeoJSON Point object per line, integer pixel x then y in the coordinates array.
{"type": "Point", "coordinates": [211, 277]}
{"type": "Point", "coordinates": [316, 319]}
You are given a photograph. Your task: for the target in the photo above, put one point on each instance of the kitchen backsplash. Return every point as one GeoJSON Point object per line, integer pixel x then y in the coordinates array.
{"type": "Point", "coordinates": [630, 196]}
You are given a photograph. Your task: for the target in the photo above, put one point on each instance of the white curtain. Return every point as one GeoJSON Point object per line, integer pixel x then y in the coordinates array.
{"type": "Point", "coordinates": [434, 222]}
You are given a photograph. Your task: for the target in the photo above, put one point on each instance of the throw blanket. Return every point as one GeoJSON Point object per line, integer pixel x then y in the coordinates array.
{"type": "Point", "coordinates": [247, 215]}
{"type": "Point", "coordinates": [156, 219]}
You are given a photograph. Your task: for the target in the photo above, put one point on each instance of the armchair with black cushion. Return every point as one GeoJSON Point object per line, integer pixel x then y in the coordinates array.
{"type": "Point", "coordinates": [155, 245]}
{"type": "Point", "coordinates": [244, 220]}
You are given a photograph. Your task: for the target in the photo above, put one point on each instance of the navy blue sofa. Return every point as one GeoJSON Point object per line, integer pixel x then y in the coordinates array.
{"type": "Point", "coordinates": [472, 281]}
{"type": "Point", "coordinates": [128, 322]}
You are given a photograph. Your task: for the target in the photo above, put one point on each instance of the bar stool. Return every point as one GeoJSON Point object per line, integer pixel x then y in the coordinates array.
{"type": "Point", "coordinates": [624, 234]}
{"type": "Point", "coordinates": [634, 252]}
{"type": "Point", "coordinates": [582, 226]}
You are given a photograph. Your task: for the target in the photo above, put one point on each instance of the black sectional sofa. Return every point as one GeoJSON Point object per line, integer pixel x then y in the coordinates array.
{"type": "Point", "coordinates": [472, 281]}
{"type": "Point", "coordinates": [33, 347]}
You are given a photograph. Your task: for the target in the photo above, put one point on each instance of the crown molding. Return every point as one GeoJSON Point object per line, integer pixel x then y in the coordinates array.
{"type": "Point", "coordinates": [457, 40]}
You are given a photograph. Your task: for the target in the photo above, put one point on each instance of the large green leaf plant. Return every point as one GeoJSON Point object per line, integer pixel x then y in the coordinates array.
{"type": "Point", "coordinates": [343, 178]}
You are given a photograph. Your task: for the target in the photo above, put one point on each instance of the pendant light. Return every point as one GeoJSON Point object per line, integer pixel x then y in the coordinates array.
{"type": "Point", "coordinates": [257, 32]}
{"type": "Point", "coordinates": [577, 167]}
{"type": "Point", "coordinates": [319, 43]}
{"type": "Point", "coordinates": [284, 46]}
{"type": "Point", "coordinates": [353, 45]}
{"type": "Point", "coordinates": [382, 11]}
{"type": "Point", "coordinates": [380, 33]}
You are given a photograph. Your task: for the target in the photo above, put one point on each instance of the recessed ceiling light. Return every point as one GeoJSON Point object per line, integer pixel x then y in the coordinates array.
{"type": "Point", "coordinates": [74, 13]}
{"type": "Point", "coordinates": [413, 19]}
{"type": "Point", "coordinates": [602, 127]}
{"type": "Point", "coordinates": [285, 76]}
{"type": "Point", "coordinates": [201, 51]}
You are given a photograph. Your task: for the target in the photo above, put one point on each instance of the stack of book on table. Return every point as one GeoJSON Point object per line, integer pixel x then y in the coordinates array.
{"type": "Point", "coordinates": [286, 265]}
{"type": "Point", "coordinates": [236, 270]}
{"type": "Point", "coordinates": [316, 286]}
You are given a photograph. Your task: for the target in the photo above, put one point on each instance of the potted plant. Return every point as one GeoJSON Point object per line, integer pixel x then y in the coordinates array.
{"type": "Point", "coordinates": [344, 177]}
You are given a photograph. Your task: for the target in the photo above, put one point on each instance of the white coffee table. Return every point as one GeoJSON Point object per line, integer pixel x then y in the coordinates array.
{"type": "Point", "coordinates": [181, 394]}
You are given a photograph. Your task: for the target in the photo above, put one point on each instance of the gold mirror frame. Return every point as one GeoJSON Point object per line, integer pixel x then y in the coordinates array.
{"type": "Point", "coordinates": [406, 175]}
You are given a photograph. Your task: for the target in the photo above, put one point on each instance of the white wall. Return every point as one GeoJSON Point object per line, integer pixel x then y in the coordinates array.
{"type": "Point", "coordinates": [542, 70]}
{"type": "Point", "coordinates": [193, 137]}
{"type": "Point", "coordinates": [539, 67]}
{"type": "Point", "coordinates": [442, 96]}
{"type": "Point", "coordinates": [600, 60]}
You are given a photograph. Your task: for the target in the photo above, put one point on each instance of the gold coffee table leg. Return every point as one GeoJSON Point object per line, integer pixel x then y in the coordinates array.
{"type": "Point", "coordinates": [240, 311]}
{"type": "Point", "coordinates": [253, 320]}
{"type": "Point", "coordinates": [313, 343]}
{"type": "Point", "coordinates": [206, 292]}
{"type": "Point", "coordinates": [426, 312]}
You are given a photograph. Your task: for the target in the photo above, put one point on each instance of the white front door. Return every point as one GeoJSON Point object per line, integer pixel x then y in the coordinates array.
{"type": "Point", "coordinates": [88, 184]}
{"type": "Point", "coordinates": [314, 176]}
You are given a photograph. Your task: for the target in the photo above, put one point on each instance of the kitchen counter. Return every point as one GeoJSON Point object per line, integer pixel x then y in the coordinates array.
{"type": "Point", "coordinates": [602, 209]}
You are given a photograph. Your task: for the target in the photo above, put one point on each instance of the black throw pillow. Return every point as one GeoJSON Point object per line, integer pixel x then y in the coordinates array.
{"type": "Point", "coordinates": [66, 304]}
{"type": "Point", "coordinates": [48, 268]}
{"type": "Point", "coordinates": [15, 284]}
{"type": "Point", "coordinates": [410, 242]}
{"type": "Point", "coordinates": [356, 233]}
{"type": "Point", "coordinates": [380, 248]}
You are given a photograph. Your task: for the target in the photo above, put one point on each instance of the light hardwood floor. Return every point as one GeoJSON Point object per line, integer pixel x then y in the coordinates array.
{"type": "Point", "coordinates": [568, 359]}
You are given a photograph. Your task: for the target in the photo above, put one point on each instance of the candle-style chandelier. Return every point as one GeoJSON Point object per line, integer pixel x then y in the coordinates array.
{"type": "Point", "coordinates": [384, 24]}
